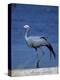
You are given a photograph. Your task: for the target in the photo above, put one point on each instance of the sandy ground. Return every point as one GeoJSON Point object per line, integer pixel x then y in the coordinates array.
{"type": "Point", "coordinates": [28, 72]}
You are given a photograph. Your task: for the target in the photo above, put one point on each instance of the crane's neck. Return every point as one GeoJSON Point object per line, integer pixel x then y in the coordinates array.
{"type": "Point", "coordinates": [26, 34]}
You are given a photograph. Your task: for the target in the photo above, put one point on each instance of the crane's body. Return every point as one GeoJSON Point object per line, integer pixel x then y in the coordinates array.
{"type": "Point", "coordinates": [36, 41]}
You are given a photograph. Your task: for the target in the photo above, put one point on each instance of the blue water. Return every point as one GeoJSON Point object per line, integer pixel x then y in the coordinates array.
{"type": "Point", "coordinates": [44, 22]}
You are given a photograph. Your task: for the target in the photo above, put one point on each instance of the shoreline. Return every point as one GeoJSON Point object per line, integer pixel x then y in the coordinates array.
{"type": "Point", "coordinates": [30, 72]}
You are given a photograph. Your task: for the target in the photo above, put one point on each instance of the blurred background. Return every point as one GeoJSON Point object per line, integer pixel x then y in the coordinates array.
{"type": "Point", "coordinates": [44, 22]}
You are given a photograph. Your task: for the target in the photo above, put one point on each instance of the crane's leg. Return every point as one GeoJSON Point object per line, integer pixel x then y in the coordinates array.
{"type": "Point", "coordinates": [37, 64]}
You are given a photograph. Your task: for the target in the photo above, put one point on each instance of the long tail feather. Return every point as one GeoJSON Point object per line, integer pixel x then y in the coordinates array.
{"type": "Point", "coordinates": [51, 50]}
{"type": "Point", "coordinates": [49, 47]}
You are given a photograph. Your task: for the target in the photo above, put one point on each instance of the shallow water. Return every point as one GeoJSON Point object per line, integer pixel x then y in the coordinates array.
{"type": "Point", "coordinates": [44, 22]}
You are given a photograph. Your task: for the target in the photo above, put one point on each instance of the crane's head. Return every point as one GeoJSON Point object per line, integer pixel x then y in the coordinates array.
{"type": "Point", "coordinates": [27, 27]}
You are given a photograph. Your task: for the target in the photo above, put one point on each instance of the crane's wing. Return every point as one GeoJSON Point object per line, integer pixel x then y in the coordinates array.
{"type": "Point", "coordinates": [37, 41]}
{"type": "Point", "coordinates": [49, 47]}
{"type": "Point", "coordinates": [34, 41]}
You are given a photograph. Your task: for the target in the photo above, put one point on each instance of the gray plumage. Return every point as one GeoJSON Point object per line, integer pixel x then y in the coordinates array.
{"type": "Point", "coordinates": [37, 41]}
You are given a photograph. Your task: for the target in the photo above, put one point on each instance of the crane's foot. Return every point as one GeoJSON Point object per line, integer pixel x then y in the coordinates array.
{"type": "Point", "coordinates": [37, 65]}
